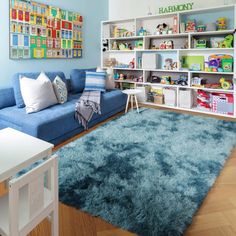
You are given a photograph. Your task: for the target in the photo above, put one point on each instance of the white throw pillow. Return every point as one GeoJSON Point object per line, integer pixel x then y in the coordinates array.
{"type": "Point", "coordinates": [37, 94]}
{"type": "Point", "coordinates": [110, 83]}
{"type": "Point", "coordinates": [60, 90]}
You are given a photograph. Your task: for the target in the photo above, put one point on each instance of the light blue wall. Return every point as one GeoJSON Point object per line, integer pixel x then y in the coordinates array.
{"type": "Point", "coordinates": [93, 11]}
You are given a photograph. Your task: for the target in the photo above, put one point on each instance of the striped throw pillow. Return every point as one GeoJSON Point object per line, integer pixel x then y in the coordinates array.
{"type": "Point", "coordinates": [95, 81]}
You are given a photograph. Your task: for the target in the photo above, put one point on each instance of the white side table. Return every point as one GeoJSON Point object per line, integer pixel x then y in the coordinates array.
{"type": "Point", "coordinates": [132, 97]}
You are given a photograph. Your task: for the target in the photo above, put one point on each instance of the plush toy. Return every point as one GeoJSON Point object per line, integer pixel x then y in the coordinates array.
{"type": "Point", "coordinates": [168, 64]}
{"type": "Point", "coordinates": [105, 45]}
{"type": "Point", "coordinates": [162, 28]}
{"type": "Point", "coordinates": [115, 46]}
{"type": "Point", "coordinates": [228, 41]}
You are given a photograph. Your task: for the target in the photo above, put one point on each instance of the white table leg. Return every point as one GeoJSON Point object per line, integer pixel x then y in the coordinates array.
{"type": "Point", "coordinates": [136, 101]}
{"type": "Point", "coordinates": [127, 104]}
{"type": "Point", "coordinates": [132, 102]}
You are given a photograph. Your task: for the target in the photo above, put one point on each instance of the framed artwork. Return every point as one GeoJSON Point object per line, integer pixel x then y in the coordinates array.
{"type": "Point", "coordinates": [40, 31]}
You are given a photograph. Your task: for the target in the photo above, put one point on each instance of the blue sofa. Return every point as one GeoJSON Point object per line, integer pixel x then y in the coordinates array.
{"type": "Point", "coordinates": [54, 124]}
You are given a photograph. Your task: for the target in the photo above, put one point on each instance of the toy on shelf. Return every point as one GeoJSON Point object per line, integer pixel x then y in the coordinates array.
{"type": "Point", "coordinates": [138, 79]}
{"type": "Point", "coordinates": [166, 80]}
{"type": "Point", "coordinates": [214, 64]}
{"type": "Point", "coordinates": [122, 46]}
{"type": "Point", "coordinates": [227, 64]}
{"type": "Point", "coordinates": [185, 46]}
{"type": "Point", "coordinates": [195, 67]}
{"type": "Point", "coordinates": [223, 103]}
{"type": "Point", "coordinates": [167, 45]}
{"type": "Point", "coordinates": [121, 77]}
{"type": "Point", "coordinates": [139, 62]}
{"type": "Point", "coordinates": [213, 86]}
{"type": "Point", "coordinates": [132, 64]}
{"type": "Point", "coordinates": [221, 42]}
{"type": "Point", "coordinates": [193, 63]}
{"type": "Point", "coordinates": [121, 32]}
{"type": "Point", "coordinates": [138, 44]}
{"type": "Point", "coordinates": [122, 65]}
{"type": "Point", "coordinates": [198, 82]}
{"type": "Point", "coordinates": [110, 62]}
{"type": "Point", "coordinates": [142, 32]}
{"type": "Point", "coordinates": [114, 46]}
{"type": "Point", "coordinates": [162, 29]}
{"type": "Point", "coordinates": [190, 26]}
{"type": "Point", "coordinates": [175, 25]}
{"type": "Point", "coordinates": [168, 64]}
{"type": "Point", "coordinates": [182, 80]}
{"type": "Point", "coordinates": [105, 45]}
{"type": "Point", "coordinates": [201, 28]}
{"type": "Point", "coordinates": [116, 32]}
{"type": "Point", "coordinates": [220, 63]}
{"type": "Point", "coordinates": [227, 85]}
{"type": "Point", "coordinates": [154, 79]}
{"type": "Point", "coordinates": [201, 43]}
{"type": "Point", "coordinates": [116, 76]}
{"type": "Point", "coordinates": [203, 100]}
{"type": "Point", "coordinates": [221, 23]}
{"type": "Point", "coordinates": [227, 42]}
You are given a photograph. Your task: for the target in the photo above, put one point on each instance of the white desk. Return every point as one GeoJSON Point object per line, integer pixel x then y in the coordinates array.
{"type": "Point", "coordinates": [18, 151]}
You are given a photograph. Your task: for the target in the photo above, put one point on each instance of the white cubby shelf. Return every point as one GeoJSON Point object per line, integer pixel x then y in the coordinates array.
{"type": "Point", "coordinates": [124, 46]}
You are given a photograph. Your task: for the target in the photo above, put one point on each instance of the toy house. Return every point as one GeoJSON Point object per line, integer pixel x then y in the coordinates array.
{"type": "Point", "coordinates": [19, 28]}
{"type": "Point", "coordinates": [53, 37]}
{"type": "Point", "coordinates": [77, 35]}
{"type": "Point", "coordinates": [54, 12]}
{"type": "Point", "coordinates": [38, 47]}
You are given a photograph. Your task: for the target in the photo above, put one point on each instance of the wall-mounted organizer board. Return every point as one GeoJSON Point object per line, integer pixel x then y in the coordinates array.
{"type": "Point", "coordinates": [40, 31]}
{"type": "Point", "coordinates": [180, 60]}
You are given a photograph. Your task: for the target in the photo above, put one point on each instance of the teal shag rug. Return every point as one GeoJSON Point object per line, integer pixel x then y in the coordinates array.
{"type": "Point", "coordinates": [148, 172]}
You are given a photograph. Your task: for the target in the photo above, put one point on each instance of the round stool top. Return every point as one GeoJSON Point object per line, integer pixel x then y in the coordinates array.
{"type": "Point", "coordinates": [131, 91]}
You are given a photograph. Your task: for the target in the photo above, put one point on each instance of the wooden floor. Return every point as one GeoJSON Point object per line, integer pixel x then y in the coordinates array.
{"type": "Point", "coordinates": [216, 217]}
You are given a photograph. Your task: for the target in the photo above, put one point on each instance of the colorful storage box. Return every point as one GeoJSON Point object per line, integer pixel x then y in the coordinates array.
{"type": "Point", "coordinates": [223, 103]}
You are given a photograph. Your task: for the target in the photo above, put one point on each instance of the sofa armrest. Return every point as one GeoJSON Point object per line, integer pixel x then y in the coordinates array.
{"type": "Point", "coordinates": [7, 98]}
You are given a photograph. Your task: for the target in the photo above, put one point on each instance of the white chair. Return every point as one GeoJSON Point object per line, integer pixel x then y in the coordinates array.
{"type": "Point", "coordinates": [32, 198]}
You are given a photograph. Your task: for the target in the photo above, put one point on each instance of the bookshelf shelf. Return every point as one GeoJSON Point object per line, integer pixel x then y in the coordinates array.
{"type": "Point", "coordinates": [184, 46]}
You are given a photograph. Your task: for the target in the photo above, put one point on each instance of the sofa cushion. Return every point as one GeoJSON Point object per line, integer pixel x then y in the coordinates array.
{"type": "Point", "coordinates": [95, 81]}
{"type": "Point", "coordinates": [7, 98]}
{"type": "Point", "coordinates": [37, 94]}
{"type": "Point", "coordinates": [77, 79]}
{"type": "Point", "coordinates": [16, 83]}
{"type": "Point", "coordinates": [60, 90]}
{"type": "Point", "coordinates": [56, 121]}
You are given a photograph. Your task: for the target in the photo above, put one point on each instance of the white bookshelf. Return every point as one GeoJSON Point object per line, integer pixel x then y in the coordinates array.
{"type": "Point", "coordinates": [180, 40]}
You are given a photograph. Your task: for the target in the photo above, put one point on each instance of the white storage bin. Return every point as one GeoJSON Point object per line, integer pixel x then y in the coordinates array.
{"type": "Point", "coordinates": [169, 96]}
{"type": "Point", "coordinates": [142, 97]}
{"type": "Point", "coordinates": [150, 61]}
{"type": "Point", "coordinates": [186, 98]}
